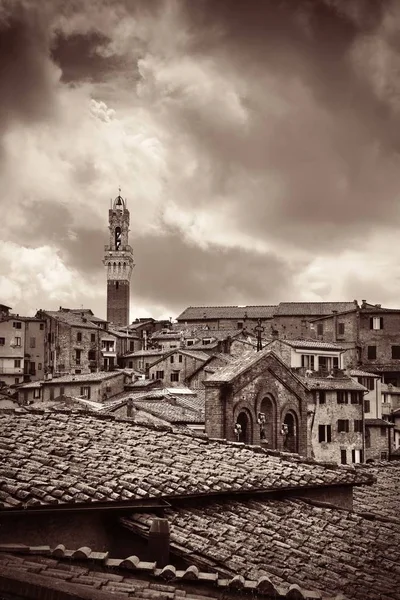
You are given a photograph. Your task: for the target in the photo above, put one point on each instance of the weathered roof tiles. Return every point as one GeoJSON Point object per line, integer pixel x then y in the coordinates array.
{"type": "Point", "coordinates": [68, 458]}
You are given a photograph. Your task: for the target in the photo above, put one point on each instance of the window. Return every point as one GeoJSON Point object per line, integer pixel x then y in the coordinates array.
{"type": "Point", "coordinates": [85, 391]}
{"type": "Point", "coordinates": [180, 358]}
{"type": "Point", "coordinates": [358, 426]}
{"type": "Point", "coordinates": [383, 431]}
{"type": "Point", "coordinates": [159, 374]}
{"type": "Point", "coordinates": [240, 325]}
{"type": "Point", "coordinates": [343, 426]}
{"type": "Point", "coordinates": [171, 359]}
{"type": "Point", "coordinates": [367, 406]}
{"type": "Point", "coordinates": [356, 456]}
{"type": "Point", "coordinates": [189, 343]}
{"type": "Point", "coordinates": [130, 364]}
{"type": "Point", "coordinates": [41, 326]}
{"type": "Point", "coordinates": [32, 343]}
{"type": "Point", "coordinates": [78, 356]}
{"type": "Point", "coordinates": [17, 325]}
{"type": "Point", "coordinates": [92, 355]}
{"type": "Point", "coordinates": [371, 352]}
{"type": "Point", "coordinates": [343, 457]}
{"type": "Point", "coordinates": [340, 328]}
{"type": "Point", "coordinates": [322, 397]}
{"type": "Point", "coordinates": [17, 363]}
{"type": "Point", "coordinates": [367, 438]}
{"type": "Point", "coordinates": [355, 397]}
{"type": "Point", "coordinates": [40, 366]}
{"type": "Point", "coordinates": [32, 368]}
{"type": "Point", "coordinates": [78, 371]}
{"type": "Point", "coordinates": [79, 336]}
{"type": "Point", "coordinates": [307, 361]}
{"type": "Point", "coordinates": [369, 383]}
{"type": "Point", "coordinates": [175, 376]}
{"type": "Point", "coordinates": [62, 390]}
{"type": "Point", "coordinates": [16, 380]}
{"type": "Point", "coordinates": [131, 346]}
{"type": "Point", "coordinates": [2, 341]}
{"type": "Point", "coordinates": [341, 397]}
{"type": "Point", "coordinates": [396, 352]}
{"type": "Point", "coordinates": [92, 337]}
{"type": "Point", "coordinates": [36, 393]}
{"type": "Point", "coordinates": [206, 341]}
{"type": "Point", "coordinates": [17, 342]}
{"type": "Point", "coordinates": [324, 433]}
{"type": "Point", "coordinates": [384, 455]}
{"type": "Point", "coordinates": [320, 329]}
{"type": "Point", "coordinates": [376, 322]}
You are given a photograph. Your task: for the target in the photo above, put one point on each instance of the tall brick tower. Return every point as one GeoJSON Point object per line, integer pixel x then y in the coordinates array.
{"type": "Point", "coordinates": [118, 260]}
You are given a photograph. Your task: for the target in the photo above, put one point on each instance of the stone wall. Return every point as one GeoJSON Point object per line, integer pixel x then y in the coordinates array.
{"type": "Point", "coordinates": [329, 413]}
{"type": "Point", "coordinates": [377, 441]}
{"type": "Point", "coordinates": [118, 302]}
{"type": "Point", "coordinates": [182, 364]}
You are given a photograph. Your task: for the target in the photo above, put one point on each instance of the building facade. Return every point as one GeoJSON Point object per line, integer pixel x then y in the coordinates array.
{"type": "Point", "coordinates": [118, 260]}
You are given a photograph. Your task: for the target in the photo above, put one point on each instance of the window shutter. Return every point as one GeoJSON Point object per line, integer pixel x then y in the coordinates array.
{"type": "Point", "coordinates": [353, 456]}
{"type": "Point", "coordinates": [321, 433]}
{"type": "Point", "coordinates": [302, 360]}
{"type": "Point", "coordinates": [328, 433]}
{"type": "Point", "coordinates": [312, 362]}
{"type": "Point", "coordinates": [371, 325]}
{"type": "Point", "coordinates": [381, 322]}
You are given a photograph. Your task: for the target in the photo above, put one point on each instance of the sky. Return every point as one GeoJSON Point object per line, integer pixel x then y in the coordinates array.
{"type": "Point", "coordinates": [257, 145]}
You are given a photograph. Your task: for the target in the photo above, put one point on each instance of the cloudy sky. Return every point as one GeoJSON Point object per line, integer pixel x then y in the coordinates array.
{"type": "Point", "coordinates": [257, 143]}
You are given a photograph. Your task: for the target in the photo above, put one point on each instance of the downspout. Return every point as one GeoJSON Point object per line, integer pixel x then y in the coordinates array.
{"type": "Point", "coordinates": [363, 428]}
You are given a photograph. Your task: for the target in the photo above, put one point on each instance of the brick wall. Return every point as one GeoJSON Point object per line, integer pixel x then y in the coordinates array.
{"type": "Point", "coordinates": [291, 327]}
{"type": "Point", "coordinates": [331, 330]}
{"type": "Point", "coordinates": [383, 339]}
{"type": "Point", "coordinates": [118, 302]}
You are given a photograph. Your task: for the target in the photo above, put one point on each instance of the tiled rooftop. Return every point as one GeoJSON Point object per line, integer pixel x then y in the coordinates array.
{"type": "Point", "coordinates": [87, 574]}
{"type": "Point", "coordinates": [311, 309]}
{"type": "Point", "coordinates": [389, 389]}
{"type": "Point", "coordinates": [289, 541]}
{"type": "Point", "coordinates": [316, 344]}
{"type": "Point", "coordinates": [85, 377]}
{"type": "Point", "coordinates": [335, 383]}
{"type": "Point", "coordinates": [73, 319]}
{"type": "Point", "coordinates": [57, 457]}
{"type": "Point", "coordinates": [359, 373]}
{"type": "Point", "coordinates": [227, 312]}
{"type": "Point", "coordinates": [382, 498]}
{"type": "Point", "coordinates": [171, 410]}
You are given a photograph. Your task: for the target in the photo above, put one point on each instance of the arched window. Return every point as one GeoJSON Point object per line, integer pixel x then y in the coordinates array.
{"type": "Point", "coordinates": [245, 432]}
{"type": "Point", "coordinates": [117, 238]}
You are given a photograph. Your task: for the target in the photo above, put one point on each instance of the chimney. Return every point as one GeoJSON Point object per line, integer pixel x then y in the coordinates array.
{"type": "Point", "coordinates": [158, 544]}
{"type": "Point", "coordinates": [363, 304]}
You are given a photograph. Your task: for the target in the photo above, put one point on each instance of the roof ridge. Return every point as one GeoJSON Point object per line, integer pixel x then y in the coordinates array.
{"type": "Point", "coordinates": [169, 573]}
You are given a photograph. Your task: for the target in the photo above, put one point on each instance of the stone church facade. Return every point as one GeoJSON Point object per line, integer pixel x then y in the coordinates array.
{"type": "Point", "coordinates": [258, 401]}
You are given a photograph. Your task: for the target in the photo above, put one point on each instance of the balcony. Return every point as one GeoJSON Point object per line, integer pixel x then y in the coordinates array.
{"type": "Point", "coordinates": [126, 248]}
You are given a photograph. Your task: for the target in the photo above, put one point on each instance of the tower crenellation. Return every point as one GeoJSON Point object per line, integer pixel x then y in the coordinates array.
{"type": "Point", "coordinates": [118, 260]}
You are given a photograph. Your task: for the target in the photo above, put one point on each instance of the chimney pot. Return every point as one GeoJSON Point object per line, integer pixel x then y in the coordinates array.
{"type": "Point", "coordinates": [158, 544]}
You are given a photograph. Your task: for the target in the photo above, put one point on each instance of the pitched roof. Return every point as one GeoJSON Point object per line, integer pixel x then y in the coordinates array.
{"type": "Point", "coordinates": [378, 423]}
{"type": "Point", "coordinates": [324, 549]}
{"type": "Point", "coordinates": [195, 313]}
{"type": "Point", "coordinates": [334, 383]}
{"type": "Point", "coordinates": [311, 309]}
{"type": "Point", "coordinates": [170, 409]}
{"type": "Point", "coordinates": [359, 373]}
{"type": "Point", "coordinates": [84, 377]}
{"type": "Point", "coordinates": [393, 389]}
{"type": "Point", "coordinates": [72, 318]}
{"type": "Point", "coordinates": [382, 498]}
{"type": "Point", "coordinates": [67, 458]}
{"type": "Point", "coordinates": [313, 344]}
{"type": "Point", "coordinates": [84, 574]}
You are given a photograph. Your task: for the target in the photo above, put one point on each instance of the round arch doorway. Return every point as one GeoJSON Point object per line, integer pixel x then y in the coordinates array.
{"type": "Point", "coordinates": [290, 433]}
{"type": "Point", "coordinates": [246, 430]}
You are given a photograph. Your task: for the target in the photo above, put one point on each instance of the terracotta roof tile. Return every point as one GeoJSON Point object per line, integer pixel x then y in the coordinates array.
{"type": "Point", "coordinates": [289, 542]}
{"type": "Point", "coordinates": [227, 312]}
{"type": "Point", "coordinates": [41, 453]}
{"type": "Point", "coordinates": [312, 309]}
{"type": "Point", "coordinates": [113, 578]}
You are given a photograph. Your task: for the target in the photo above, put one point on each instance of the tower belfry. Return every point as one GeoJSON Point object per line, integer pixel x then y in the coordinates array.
{"type": "Point", "coordinates": [118, 260]}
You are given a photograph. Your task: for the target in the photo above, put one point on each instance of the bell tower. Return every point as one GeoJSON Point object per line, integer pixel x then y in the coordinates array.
{"type": "Point", "coordinates": [118, 261]}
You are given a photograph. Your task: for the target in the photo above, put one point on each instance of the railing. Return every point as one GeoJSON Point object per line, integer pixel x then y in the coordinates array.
{"type": "Point", "coordinates": [306, 372]}
{"type": "Point", "coordinates": [126, 248]}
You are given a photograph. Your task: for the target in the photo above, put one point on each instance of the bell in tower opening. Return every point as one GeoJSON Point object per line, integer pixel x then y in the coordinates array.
{"type": "Point", "coordinates": [118, 261]}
